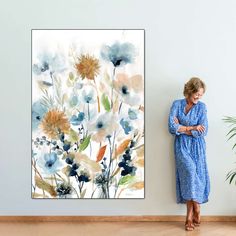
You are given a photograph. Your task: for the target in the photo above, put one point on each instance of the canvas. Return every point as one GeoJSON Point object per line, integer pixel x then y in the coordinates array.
{"type": "Point", "coordinates": [88, 114]}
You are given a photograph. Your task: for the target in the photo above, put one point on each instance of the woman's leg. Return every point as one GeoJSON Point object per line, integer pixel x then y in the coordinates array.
{"type": "Point", "coordinates": [196, 213]}
{"type": "Point", "coordinates": [189, 222]}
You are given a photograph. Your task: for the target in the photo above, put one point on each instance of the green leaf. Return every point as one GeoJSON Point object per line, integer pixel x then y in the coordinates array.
{"type": "Point", "coordinates": [232, 177]}
{"type": "Point", "coordinates": [232, 130]}
{"type": "Point", "coordinates": [232, 136]}
{"type": "Point", "coordinates": [126, 180]}
{"type": "Point", "coordinates": [105, 102]}
{"type": "Point", "coordinates": [73, 136]}
{"type": "Point", "coordinates": [234, 146]}
{"type": "Point", "coordinates": [85, 143]}
{"type": "Point", "coordinates": [71, 76]}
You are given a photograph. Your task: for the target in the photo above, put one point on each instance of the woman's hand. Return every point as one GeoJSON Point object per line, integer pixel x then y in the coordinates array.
{"type": "Point", "coordinates": [199, 128]}
{"type": "Point", "coordinates": [188, 133]}
{"type": "Point", "coordinates": [176, 120]}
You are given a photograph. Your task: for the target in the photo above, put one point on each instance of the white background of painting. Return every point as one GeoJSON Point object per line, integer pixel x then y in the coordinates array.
{"type": "Point", "coordinates": [183, 38]}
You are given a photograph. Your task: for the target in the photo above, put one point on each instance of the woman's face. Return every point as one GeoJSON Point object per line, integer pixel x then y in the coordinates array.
{"type": "Point", "coordinates": [194, 98]}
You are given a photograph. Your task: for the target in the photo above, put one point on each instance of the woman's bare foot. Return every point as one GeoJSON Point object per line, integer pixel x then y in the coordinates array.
{"type": "Point", "coordinates": [189, 226]}
{"type": "Point", "coordinates": [196, 214]}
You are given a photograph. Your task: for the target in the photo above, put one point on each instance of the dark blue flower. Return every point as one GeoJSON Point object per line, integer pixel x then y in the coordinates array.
{"type": "Point", "coordinates": [66, 146]}
{"type": "Point", "coordinates": [72, 172]}
{"type": "Point", "coordinates": [128, 170]}
{"type": "Point", "coordinates": [64, 189]}
{"type": "Point", "coordinates": [119, 53]}
{"type": "Point", "coordinates": [121, 164]}
{"type": "Point", "coordinates": [101, 179]}
{"type": "Point", "coordinates": [69, 160]}
{"type": "Point", "coordinates": [83, 178]}
{"type": "Point", "coordinates": [132, 143]}
{"type": "Point", "coordinates": [126, 157]}
{"type": "Point", "coordinates": [75, 166]}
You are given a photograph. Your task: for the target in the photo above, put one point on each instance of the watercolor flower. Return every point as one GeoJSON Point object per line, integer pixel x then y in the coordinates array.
{"type": "Point", "coordinates": [129, 88]}
{"type": "Point", "coordinates": [83, 176]}
{"type": "Point", "coordinates": [49, 62]}
{"type": "Point", "coordinates": [131, 120]}
{"type": "Point", "coordinates": [104, 126]}
{"type": "Point", "coordinates": [126, 125]}
{"type": "Point", "coordinates": [87, 67]}
{"type": "Point", "coordinates": [77, 119]}
{"type": "Point", "coordinates": [74, 100]}
{"type": "Point", "coordinates": [88, 95]}
{"type": "Point", "coordinates": [38, 112]}
{"type": "Point", "coordinates": [119, 53]}
{"type": "Point", "coordinates": [101, 179]}
{"type": "Point", "coordinates": [64, 189]}
{"type": "Point", "coordinates": [50, 163]}
{"type": "Point", "coordinates": [55, 122]}
{"type": "Point", "coordinates": [133, 113]}
{"type": "Point", "coordinates": [127, 168]}
{"type": "Point", "coordinates": [126, 163]}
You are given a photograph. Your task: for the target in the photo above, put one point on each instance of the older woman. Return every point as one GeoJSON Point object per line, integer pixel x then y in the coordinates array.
{"type": "Point", "coordinates": [188, 123]}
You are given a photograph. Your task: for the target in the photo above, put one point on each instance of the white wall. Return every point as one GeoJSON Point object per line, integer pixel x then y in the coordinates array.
{"type": "Point", "coordinates": [183, 38]}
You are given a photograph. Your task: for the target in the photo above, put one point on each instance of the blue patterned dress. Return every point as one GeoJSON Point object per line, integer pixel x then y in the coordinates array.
{"type": "Point", "coordinates": [192, 178]}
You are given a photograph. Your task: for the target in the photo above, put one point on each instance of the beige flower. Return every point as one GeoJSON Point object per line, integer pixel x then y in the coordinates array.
{"type": "Point", "coordinates": [129, 88]}
{"type": "Point", "coordinates": [55, 122]}
{"type": "Point", "coordinates": [88, 67]}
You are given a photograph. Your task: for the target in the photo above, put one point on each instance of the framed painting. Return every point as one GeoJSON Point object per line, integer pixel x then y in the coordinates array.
{"type": "Point", "coordinates": [88, 114]}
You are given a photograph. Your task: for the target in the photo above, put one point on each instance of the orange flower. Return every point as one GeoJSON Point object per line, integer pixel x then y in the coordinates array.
{"type": "Point", "coordinates": [55, 122]}
{"type": "Point", "coordinates": [88, 67]}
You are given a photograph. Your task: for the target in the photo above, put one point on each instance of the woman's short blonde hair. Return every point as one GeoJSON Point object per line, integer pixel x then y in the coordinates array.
{"type": "Point", "coordinates": [193, 86]}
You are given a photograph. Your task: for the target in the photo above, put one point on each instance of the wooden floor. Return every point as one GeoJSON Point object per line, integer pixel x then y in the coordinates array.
{"type": "Point", "coordinates": [114, 229]}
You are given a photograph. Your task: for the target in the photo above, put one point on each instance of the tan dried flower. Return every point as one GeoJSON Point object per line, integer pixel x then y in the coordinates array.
{"type": "Point", "coordinates": [55, 122]}
{"type": "Point", "coordinates": [88, 67]}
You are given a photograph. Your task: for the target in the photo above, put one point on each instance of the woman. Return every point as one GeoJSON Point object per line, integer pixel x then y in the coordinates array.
{"type": "Point", "coordinates": [188, 123]}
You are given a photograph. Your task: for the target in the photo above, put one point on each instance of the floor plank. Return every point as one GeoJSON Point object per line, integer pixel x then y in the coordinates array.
{"type": "Point", "coordinates": [115, 229]}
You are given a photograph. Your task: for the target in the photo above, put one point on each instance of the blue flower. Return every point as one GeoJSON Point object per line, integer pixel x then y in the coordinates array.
{"type": "Point", "coordinates": [66, 146]}
{"type": "Point", "coordinates": [38, 112]}
{"type": "Point", "coordinates": [74, 100]}
{"type": "Point", "coordinates": [47, 62]}
{"type": "Point", "coordinates": [76, 120]}
{"type": "Point", "coordinates": [88, 96]}
{"type": "Point", "coordinates": [119, 54]}
{"type": "Point", "coordinates": [126, 125]}
{"type": "Point", "coordinates": [133, 114]}
{"type": "Point", "coordinates": [83, 176]}
{"type": "Point", "coordinates": [128, 170]}
{"type": "Point", "coordinates": [103, 126]}
{"type": "Point", "coordinates": [50, 163]}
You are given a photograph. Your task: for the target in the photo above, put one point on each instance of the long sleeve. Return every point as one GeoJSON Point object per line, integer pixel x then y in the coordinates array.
{"type": "Point", "coordinates": [173, 127]}
{"type": "Point", "coordinates": [202, 121]}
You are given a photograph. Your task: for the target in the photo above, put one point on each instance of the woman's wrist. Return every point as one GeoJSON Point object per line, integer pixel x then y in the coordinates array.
{"type": "Point", "coordinates": [189, 128]}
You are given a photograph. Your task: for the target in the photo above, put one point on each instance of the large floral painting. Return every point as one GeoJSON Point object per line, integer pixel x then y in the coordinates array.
{"type": "Point", "coordinates": [87, 114]}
